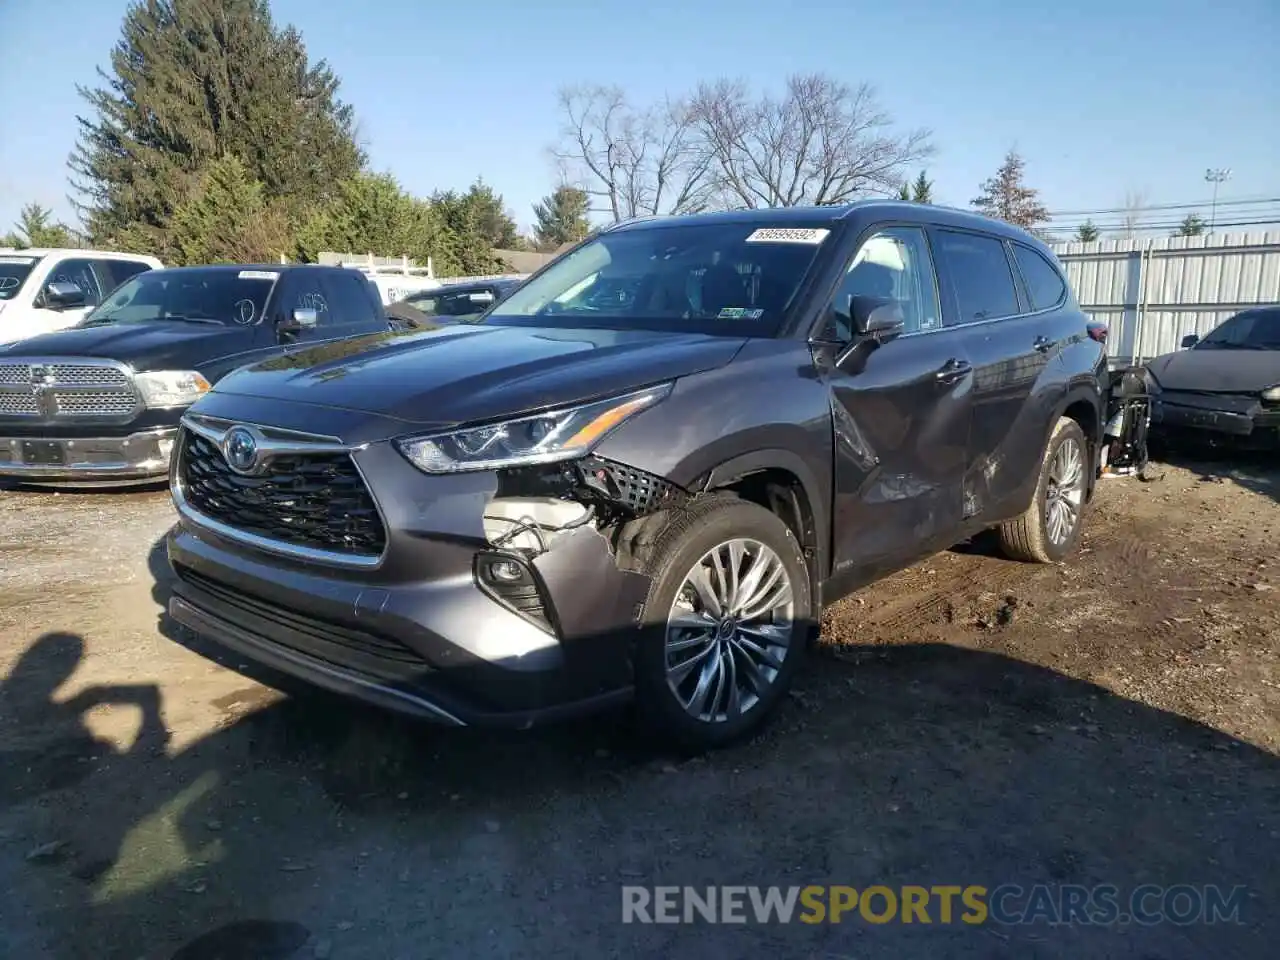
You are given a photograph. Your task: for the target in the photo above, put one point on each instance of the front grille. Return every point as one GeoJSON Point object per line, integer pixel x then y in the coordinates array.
{"type": "Point", "coordinates": [95, 403]}
{"type": "Point", "coordinates": [58, 389]}
{"type": "Point", "coordinates": [18, 405]}
{"type": "Point", "coordinates": [313, 500]}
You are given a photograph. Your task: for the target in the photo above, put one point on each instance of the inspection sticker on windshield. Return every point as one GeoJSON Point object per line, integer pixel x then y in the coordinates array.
{"type": "Point", "coordinates": [813, 235]}
{"type": "Point", "coordinates": [740, 313]}
{"type": "Point", "coordinates": [259, 275]}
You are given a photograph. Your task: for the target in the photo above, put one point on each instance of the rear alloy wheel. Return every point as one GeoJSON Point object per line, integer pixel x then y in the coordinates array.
{"type": "Point", "coordinates": [725, 625]}
{"type": "Point", "coordinates": [1050, 528]}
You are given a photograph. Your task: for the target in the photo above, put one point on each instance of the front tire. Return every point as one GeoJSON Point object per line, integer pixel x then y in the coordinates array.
{"type": "Point", "coordinates": [1050, 528]}
{"type": "Point", "coordinates": [725, 623]}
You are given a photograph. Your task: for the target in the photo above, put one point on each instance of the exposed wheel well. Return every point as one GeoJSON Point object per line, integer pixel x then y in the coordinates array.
{"type": "Point", "coordinates": [1086, 414]}
{"type": "Point", "coordinates": [780, 492]}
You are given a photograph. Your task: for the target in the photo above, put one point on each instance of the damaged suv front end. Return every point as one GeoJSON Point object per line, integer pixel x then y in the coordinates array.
{"type": "Point", "coordinates": [467, 576]}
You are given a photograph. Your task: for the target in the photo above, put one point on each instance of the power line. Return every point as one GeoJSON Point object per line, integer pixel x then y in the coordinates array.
{"type": "Point", "coordinates": [1238, 202]}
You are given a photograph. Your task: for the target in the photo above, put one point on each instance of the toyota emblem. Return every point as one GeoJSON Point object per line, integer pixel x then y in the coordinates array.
{"type": "Point", "coordinates": [240, 448]}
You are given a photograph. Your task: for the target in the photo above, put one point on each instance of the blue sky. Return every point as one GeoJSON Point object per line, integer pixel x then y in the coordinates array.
{"type": "Point", "coordinates": [1100, 96]}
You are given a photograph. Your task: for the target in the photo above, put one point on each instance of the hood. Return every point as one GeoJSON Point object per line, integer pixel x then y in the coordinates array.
{"type": "Point", "coordinates": [145, 346]}
{"type": "Point", "coordinates": [1217, 370]}
{"type": "Point", "coordinates": [461, 373]}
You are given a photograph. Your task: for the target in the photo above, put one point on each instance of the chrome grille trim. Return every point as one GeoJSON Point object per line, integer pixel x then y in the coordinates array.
{"type": "Point", "coordinates": [283, 442]}
{"type": "Point", "coordinates": [49, 390]}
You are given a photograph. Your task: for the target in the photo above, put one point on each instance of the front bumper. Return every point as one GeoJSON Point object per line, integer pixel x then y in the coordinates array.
{"type": "Point", "coordinates": [1242, 420]}
{"type": "Point", "coordinates": [139, 456]}
{"type": "Point", "coordinates": [417, 633]}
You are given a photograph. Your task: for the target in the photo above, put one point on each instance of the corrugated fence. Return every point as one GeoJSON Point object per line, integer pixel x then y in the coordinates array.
{"type": "Point", "coordinates": [1154, 291]}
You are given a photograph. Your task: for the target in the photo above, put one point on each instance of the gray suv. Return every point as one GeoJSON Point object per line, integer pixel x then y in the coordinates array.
{"type": "Point", "coordinates": [642, 474]}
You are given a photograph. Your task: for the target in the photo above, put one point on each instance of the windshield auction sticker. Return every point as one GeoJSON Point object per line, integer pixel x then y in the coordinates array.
{"type": "Point", "coordinates": [812, 235]}
{"type": "Point", "coordinates": [259, 275]}
{"type": "Point", "coordinates": [22, 260]}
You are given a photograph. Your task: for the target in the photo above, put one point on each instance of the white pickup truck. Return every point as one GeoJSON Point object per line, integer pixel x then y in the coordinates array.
{"type": "Point", "coordinates": [43, 290]}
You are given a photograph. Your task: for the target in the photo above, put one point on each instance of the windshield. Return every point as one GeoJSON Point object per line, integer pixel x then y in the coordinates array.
{"type": "Point", "coordinates": [736, 279]}
{"type": "Point", "coordinates": [465, 304]}
{"type": "Point", "coordinates": [13, 273]}
{"type": "Point", "coordinates": [197, 296]}
{"type": "Point", "coordinates": [1251, 330]}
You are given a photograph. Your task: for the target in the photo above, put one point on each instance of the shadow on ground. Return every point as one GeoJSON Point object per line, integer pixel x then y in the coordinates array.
{"type": "Point", "coordinates": [1256, 471]}
{"type": "Point", "coordinates": [312, 828]}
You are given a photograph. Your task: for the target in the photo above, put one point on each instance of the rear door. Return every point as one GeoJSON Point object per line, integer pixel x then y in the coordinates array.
{"type": "Point", "coordinates": [113, 272]}
{"type": "Point", "coordinates": [351, 307]}
{"type": "Point", "coordinates": [902, 413]}
{"type": "Point", "coordinates": [1009, 344]}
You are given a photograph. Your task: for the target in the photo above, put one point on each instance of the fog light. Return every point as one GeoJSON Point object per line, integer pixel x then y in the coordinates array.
{"type": "Point", "coordinates": [505, 571]}
{"type": "Point", "coordinates": [166, 448]}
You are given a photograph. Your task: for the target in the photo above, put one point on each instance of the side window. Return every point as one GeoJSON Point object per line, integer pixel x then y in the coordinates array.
{"type": "Point", "coordinates": [979, 271]}
{"type": "Point", "coordinates": [307, 292]}
{"type": "Point", "coordinates": [1044, 283]}
{"type": "Point", "coordinates": [112, 273]}
{"type": "Point", "coordinates": [79, 272]}
{"type": "Point", "coordinates": [349, 300]}
{"type": "Point", "coordinates": [894, 264]}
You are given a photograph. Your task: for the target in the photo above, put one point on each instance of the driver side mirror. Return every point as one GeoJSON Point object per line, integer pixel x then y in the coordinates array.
{"type": "Point", "coordinates": [304, 318]}
{"type": "Point", "coordinates": [1189, 341]}
{"type": "Point", "coordinates": [876, 317]}
{"type": "Point", "coordinates": [63, 295]}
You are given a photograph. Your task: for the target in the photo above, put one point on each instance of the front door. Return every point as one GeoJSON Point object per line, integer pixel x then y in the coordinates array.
{"type": "Point", "coordinates": [46, 319]}
{"type": "Point", "coordinates": [902, 413]}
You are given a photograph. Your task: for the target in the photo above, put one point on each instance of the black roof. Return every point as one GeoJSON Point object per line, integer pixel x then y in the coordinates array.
{"type": "Point", "coordinates": [829, 215]}
{"type": "Point", "coordinates": [264, 267]}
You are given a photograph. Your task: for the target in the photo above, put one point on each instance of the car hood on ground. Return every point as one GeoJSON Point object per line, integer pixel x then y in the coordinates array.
{"type": "Point", "coordinates": [462, 373]}
{"type": "Point", "coordinates": [1217, 370]}
{"type": "Point", "coordinates": [156, 345]}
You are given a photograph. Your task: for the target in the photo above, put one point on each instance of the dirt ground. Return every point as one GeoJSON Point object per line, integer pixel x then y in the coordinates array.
{"type": "Point", "coordinates": [969, 721]}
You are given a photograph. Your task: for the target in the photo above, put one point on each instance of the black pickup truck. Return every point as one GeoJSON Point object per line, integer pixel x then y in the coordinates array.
{"type": "Point", "coordinates": [100, 402]}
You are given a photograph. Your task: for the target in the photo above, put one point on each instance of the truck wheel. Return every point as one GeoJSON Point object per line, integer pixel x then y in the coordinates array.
{"type": "Point", "coordinates": [725, 624]}
{"type": "Point", "coordinates": [1050, 528]}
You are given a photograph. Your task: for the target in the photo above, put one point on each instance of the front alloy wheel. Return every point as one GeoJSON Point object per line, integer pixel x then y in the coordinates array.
{"type": "Point", "coordinates": [729, 630]}
{"type": "Point", "coordinates": [726, 621]}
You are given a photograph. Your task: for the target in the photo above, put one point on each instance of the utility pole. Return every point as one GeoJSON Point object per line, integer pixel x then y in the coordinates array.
{"type": "Point", "coordinates": [1216, 177]}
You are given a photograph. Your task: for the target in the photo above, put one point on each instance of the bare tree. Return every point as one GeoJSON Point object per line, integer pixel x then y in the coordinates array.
{"type": "Point", "coordinates": [821, 142]}
{"type": "Point", "coordinates": [1135, 206]}
{"type": "Point", "coordinates": [637, 161]}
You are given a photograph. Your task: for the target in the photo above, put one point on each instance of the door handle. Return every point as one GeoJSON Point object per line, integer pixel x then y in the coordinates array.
{"type": "Point", "coordinates": [1043, 344]}
{"type": "Point", "coordinates": [953, 370]}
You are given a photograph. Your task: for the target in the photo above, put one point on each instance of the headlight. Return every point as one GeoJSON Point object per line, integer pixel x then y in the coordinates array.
{"type": "Point", "coordinates": [538, 438]}
{"type": "Point", "coordinates": [1272, 394]}
{"type": "Point", "coordinates": [171, 388]}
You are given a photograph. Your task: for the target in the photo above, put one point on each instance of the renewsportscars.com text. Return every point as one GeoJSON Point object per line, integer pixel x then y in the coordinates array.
{"type": "Point", "coordinates": [1009, 904]}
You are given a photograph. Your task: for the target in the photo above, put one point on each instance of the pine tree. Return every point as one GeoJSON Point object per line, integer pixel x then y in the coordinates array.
{"type": "Point", "coordinates": [1192, 226]}
{"type": "Point", "coordinates": [1006, 197]}
{"type": "Point", "coordinates": [37, 228]}
{"type": "Point", "coordinates": [194, 80]}
{"type": "Point", "coordinates": [227, 220]}
{"type": "Point", "coordinates": [561, 218]}
{"type": "Point", "coordinates": [922, 189]}
{"type": "Point", "coordinates": [495, 223]}
{"type": "Point", "coordinates": [904, 192]}
{"type": "Point", "coordinates": [1087, 232]}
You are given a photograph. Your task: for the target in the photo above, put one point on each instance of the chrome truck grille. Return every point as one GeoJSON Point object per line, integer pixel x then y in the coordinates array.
{"type": "Point", "coordinates": [39, 390]}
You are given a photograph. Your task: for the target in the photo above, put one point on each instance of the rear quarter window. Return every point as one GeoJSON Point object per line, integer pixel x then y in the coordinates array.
{"type": "Point", "coordinates": [1044, 283]}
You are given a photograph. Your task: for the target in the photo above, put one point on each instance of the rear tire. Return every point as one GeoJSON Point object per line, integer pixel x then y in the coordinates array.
{"type": "Point", "coordinates": [725, 624]}
{"type": "Point", "coordinates": [1050, 527]}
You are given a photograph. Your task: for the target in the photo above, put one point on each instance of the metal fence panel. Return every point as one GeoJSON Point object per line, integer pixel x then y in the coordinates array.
{"type": "Point", "coordinates": [1154, 291]}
